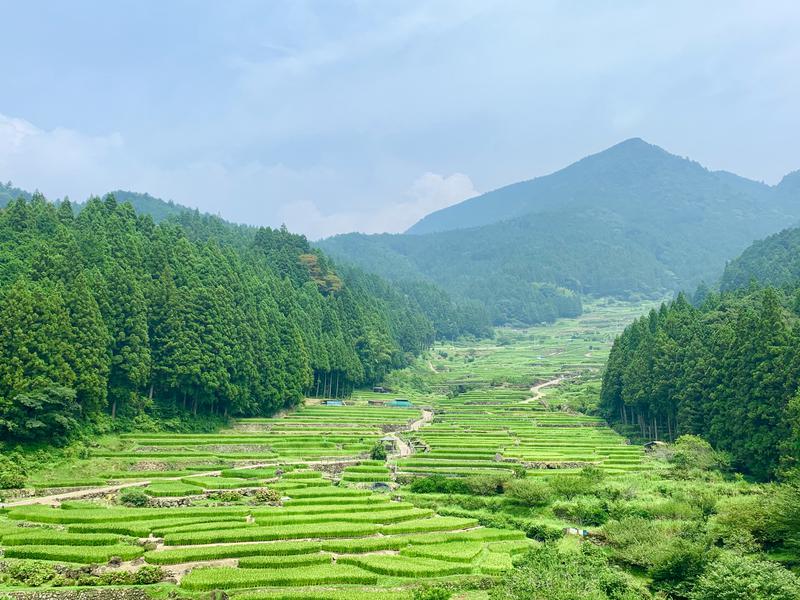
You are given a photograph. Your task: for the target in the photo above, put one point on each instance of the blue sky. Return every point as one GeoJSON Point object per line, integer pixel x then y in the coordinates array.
{"type": "Point", "coordinates": [335, 116]}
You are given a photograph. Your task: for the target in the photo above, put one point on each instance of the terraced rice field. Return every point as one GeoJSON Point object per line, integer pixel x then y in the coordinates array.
{"type": "Point", "coordinates": [286, 507]}
{"type": "Point", "coordinates": [320, 535]}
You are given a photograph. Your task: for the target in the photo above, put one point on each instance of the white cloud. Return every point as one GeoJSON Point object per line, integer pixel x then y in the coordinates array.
{"type": "Point", "coordinates": [429, 192]}
{"type": "Point", "coordinates": [57, 162]}
{"type": "Point", "coordinates": [63, 162]}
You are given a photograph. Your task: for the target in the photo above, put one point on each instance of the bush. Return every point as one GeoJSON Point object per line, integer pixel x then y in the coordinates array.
{"type": "Point", "coordinates": [266, 496]}
{"type": "Point", "coordinates": [225, 496]}
{"type": "Point", "coordinates": [542, 531]}
{"type": "Point", "coordinates": [733, 576]}
{"type": "Point", "coordinates": [582, 511]}
{"type": "Point", "coordinates": [133, 497]}
{"type": "Point", "coordinates": [677, 568]}
{"type": "Point", "coordinates": [740, 522]}
{"type": "Point", "coordinates": [439, 484]}
{"type": "Point", "coordinates": [378, 452]}
{"type": "Point", "coordinates": [487, 485]}
{"type": "Point", "coordinates": [12, 474]}
{"type": "Point", "coordinates": [545, 573]}
{"type": "Point", "coordinates": [435, 593]}
{"type": "Point", "coordinates": [530, 492]}
{"type": "Point", "coordinates": [569, 486]}
{"type": "Point", "coordinates": [691, 454]}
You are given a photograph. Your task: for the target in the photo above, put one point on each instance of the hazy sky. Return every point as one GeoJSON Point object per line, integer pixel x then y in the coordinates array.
{"type": "Point", "coordinates": [335, 116]}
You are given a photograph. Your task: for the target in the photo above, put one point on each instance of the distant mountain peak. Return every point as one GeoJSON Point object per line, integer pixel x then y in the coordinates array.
{"type": "Point", "coordinates": [632, 163]}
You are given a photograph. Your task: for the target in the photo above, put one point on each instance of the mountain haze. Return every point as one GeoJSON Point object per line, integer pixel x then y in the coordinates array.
{"type": "Point", "coordinates": [631, 220]}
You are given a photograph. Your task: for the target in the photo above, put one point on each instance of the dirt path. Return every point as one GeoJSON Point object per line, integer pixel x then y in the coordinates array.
{"type": "Point", "coordinates": [427, 417]}
{"type": "Point", "coordinates": [431, 367]}
{"type": "Point", "coordinates": [404, 449]}
{"type": "Point", "coordinates": [537, 392]}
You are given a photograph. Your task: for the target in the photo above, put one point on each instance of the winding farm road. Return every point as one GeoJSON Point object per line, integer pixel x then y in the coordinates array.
{"type": "Point", "coordinates": [537, 392]}
{"type": "Point", "coordinates": [404, 449]}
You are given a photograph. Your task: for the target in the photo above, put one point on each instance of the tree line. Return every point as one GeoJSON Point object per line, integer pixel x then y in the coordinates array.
{"type": "Point", "coordinates": [106, 314]}
{"type": "Point", "coordinates": [727, 370]}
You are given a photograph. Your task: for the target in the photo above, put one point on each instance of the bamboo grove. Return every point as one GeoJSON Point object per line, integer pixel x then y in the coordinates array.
{"type": "Point", "coordinates": [105, 314]}
{"type": "Point", "coordinates": [727, 370]}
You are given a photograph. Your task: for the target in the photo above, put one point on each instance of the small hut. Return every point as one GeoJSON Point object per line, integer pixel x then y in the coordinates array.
{"type": "Point", "coordinates": [333, 403]}
{"type": "Point", "coordinates": [389, 443]}
{"type": "Point", "coordinates": [401, 403]}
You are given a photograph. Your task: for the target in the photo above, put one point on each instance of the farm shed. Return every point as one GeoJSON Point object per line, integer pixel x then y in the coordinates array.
{"type": "Point", "coordinates": [401, 403]}
{"type": "Point", "coordinates": [389, 443]}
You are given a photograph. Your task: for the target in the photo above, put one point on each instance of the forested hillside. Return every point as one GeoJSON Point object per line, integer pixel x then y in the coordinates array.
{"type": "Point", "coordinates": [728, 371]}
{"type": "Point", "coordinates": [105, 312]}
{"type": "Point", "coordinates": [772, 261]}
{"type": "Point", "coordinates": [628, 221]}
{"type": "Point", "coordinates": [8, 193]}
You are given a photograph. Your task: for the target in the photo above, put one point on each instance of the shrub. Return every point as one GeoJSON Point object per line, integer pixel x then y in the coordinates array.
{"type": "Point", "coordinates": [32, 573]}
{"type": "Point", "coordinates": [691, 453]}
{"type": "Point", "coordinates": [431, 593]}
{"type": "Point", "coordinates": [378, 452]}
{"type": "Point", "coordinates": [439, 484]}
{"type": "Point", "coordinates": [266, 496]}
{"type": "Point", "coordinates": [225, 496]}
{"type": "Point", "coordinates": [542, 532]}
{"type": "Point", "coordinates": [133, 497]}
{"type": "Point", "coordinates": [638, 541]}
{"type": "Point", "coordinates": [569, 486]}
{"type": "Point", "coordinates": [582, 511]}
{"type": "Point", "coordinates": [677, 568]}
{"type": "Point", "coordinates": [487, 485]}
{"type": "Point", "coordinates": [733, 576]}
{"type": "Point", "coordinates": [530, 492]}
{"type": "Point", "coordinates": [740, 522]}
{"type": "Point", "coordinates": [12, 474]}
{"type": "Point", "coordinates": [547, 573]}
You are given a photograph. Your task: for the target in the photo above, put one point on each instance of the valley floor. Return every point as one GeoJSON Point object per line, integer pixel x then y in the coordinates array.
{"type": "Point", "coordinates": [495, 453]}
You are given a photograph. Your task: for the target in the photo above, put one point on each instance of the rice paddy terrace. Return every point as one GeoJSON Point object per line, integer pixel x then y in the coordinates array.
{"type": "Point", "coordinates": [293, 506]}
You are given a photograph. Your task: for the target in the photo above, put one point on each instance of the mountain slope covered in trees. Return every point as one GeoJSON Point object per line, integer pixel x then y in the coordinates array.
{"type": "Point", "coordinates": [727, 371]}
{"type": "Point", "coordinates": [105, 312]}
{"type": "Point", "coordinates": [631, 220]}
